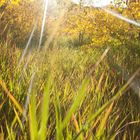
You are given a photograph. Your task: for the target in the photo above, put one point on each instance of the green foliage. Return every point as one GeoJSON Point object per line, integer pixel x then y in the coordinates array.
{"type": "Point", "coordinates": [35, 132]}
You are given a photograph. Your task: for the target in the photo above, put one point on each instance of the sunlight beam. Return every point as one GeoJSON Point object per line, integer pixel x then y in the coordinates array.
{"type": "Point", "coordinates": [28, 98]}
{"type": "Point", "coordinates": [43, 22]}
{"type": "Point", "coordinates": [119, 16]}
{"type": "Point", "coordinates": [27, 46]}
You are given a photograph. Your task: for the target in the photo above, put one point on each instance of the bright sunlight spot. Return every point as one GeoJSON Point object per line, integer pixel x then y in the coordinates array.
{"type": "Point", "coordinates": [95, 3]}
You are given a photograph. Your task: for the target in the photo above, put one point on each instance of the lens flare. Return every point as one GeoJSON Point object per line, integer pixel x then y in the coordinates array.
{"type": "Point", "coordinates": [43, 22]}
{"type": "Point", "coordinates": [119, 16]}
{"type": "Point", "coordinates": [27, 46]}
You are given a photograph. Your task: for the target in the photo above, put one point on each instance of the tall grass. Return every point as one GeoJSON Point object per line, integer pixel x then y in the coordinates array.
{"type": "Point", "coordinates": [67, 100]}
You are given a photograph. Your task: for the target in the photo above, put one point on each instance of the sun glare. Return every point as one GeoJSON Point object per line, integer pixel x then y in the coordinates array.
{"type": "Point", "coordinates": [101, 3]}
{"type": "Point", "coordinates": [95, 3]}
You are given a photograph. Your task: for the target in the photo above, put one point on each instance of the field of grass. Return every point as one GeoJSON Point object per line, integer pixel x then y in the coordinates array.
{"type": "Point", "coordinates": [66, 93]}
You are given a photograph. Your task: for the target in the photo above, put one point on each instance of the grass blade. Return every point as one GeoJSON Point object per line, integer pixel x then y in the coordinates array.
{"type": "Point", "coordinates": [100, 130]}
{"type": "Point", "coordinates": [78, 100]}
{"type": "Point", "coordinates": [11, 97]}
{"type": "Point", "coordinates": [45, 111]}
{"type": "Point", "coordinates": [33, 118]}
{"type": "Point", "coordinates": [59, 134]}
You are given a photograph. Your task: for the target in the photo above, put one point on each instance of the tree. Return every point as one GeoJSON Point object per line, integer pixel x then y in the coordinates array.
{"type": "Point", "coordinates": [94, 27]}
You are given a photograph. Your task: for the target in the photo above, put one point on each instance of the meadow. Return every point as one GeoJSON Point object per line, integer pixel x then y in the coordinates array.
{"type": "Point", "coordinates": [71, 88]}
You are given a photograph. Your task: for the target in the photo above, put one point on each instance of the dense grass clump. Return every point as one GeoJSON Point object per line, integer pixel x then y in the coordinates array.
{"type": "Point", "coordinates": [65, 93]}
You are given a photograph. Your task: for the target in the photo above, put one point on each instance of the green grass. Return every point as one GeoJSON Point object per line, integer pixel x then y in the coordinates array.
{"type": "Point", "coordinates": [67, 100]}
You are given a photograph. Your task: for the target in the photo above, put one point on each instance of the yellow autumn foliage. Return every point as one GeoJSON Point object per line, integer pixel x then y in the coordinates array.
{"type": "Point", "coordinates": [100, 28]}
{"type": "Point", "coordinates": [18, 18]}
{"type": "Point", "coordinates": [13, 2]}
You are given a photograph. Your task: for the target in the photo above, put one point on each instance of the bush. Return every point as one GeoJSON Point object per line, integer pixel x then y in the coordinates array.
{"type": "Point", "coordinates": [17, 21]}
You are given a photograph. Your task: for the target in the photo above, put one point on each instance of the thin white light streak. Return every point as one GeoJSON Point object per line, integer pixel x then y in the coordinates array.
{"type": "Point", "coordinates": [27, 46]}
{"type": "Point", "coordinates": [43, 22]}
{"type": "Point", "coordinates": [121, 17]}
